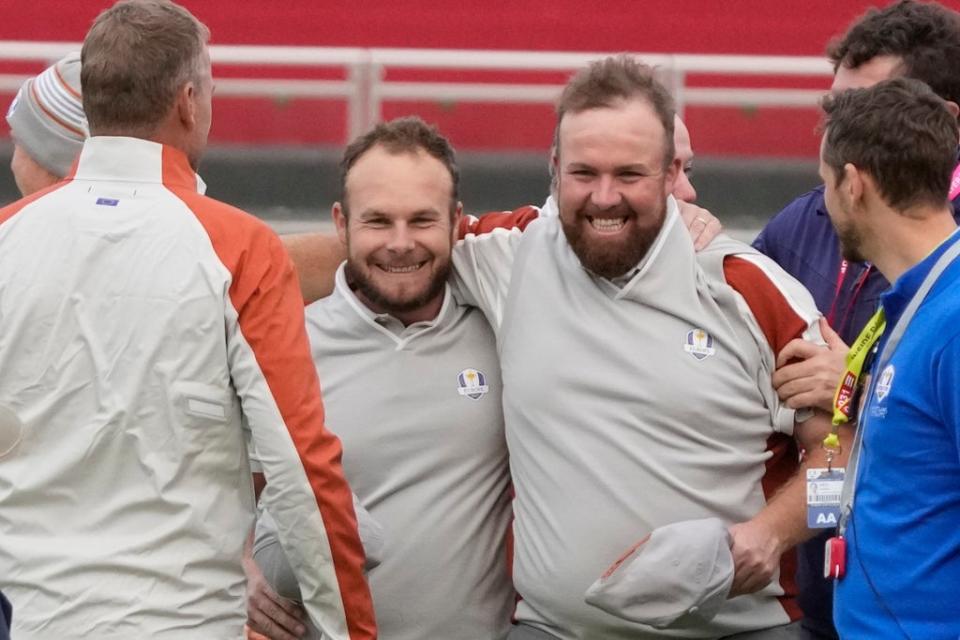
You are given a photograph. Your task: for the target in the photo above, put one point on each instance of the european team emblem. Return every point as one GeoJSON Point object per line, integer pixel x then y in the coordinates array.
{"type": "Point", "coordinates": [699, 344]}
{"type": "Point", "coordinates": [472, 383]}
{"type": "Point", "coordinates": [885, 382]}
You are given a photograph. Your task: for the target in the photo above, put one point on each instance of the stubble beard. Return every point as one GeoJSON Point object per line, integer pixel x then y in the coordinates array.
{"type": "Point", "coordinates": [851, 243]}
{"type": "Point", "coordinates": [361, 281]}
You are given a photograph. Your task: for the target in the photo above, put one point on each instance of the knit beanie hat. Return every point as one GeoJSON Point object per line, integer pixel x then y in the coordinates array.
{"type": "Point", "coordinates": [46, 117]}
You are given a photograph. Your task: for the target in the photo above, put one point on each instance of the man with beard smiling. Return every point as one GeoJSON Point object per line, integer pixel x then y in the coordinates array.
{"type": "Point", "coordinates": [317, 255]}
{"type": "Point", "coordinates": [317, 258]}
{"type": "Point", "coordinates": [412, 388]}
{"type": "Point", "coordinates": [636, 374]}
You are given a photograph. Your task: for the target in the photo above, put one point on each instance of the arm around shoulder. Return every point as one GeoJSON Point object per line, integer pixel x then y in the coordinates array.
{"type": "Point", "coordinates": [316, 257]}
{"type": "Point", "coordinates": [483, 258]}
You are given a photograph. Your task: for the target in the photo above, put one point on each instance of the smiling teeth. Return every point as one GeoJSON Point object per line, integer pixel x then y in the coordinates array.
{"type": "Point", "coordinates": [608, 224]}
{"type": "Point", "coordinates": [409, 269]}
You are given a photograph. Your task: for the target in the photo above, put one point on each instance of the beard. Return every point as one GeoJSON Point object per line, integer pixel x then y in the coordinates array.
{"type": "Point", "coordinates": [850, 243]}
{"type": "Point", "coordinates": [613, 257]}
{"type": "Point", "coordinates": [399, 300]}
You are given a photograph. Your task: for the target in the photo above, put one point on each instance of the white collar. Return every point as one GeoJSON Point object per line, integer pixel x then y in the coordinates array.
{"type": "Point", "coordinates": [126, 159]}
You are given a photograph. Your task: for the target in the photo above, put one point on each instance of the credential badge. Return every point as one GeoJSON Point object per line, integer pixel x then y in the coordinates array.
{"type": "Point", "coordinates": [885, 382]}
{"type": "Point", "coordinates": [472, 383]}
{"type": "Point", "coordinates": [699, 344]}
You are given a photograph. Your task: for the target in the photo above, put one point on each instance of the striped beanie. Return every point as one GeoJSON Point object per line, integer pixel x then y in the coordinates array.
{"type": "Point", "coordinates": [46, 117]}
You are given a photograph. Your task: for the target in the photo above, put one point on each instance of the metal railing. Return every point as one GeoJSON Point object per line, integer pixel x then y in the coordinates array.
{"type": "Point", "coordinates": [366, 85]}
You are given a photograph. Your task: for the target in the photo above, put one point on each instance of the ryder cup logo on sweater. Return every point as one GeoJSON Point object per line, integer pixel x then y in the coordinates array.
{"type": "Point", "coordinates": [699, 344]}
{"type": "Point", "coordinates": [884, 382]}
{"type": "Point", "coordinates": [472, 383]}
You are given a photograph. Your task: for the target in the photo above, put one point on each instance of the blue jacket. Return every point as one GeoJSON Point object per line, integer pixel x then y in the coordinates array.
{"type": "Point", "coordinates": [801, 239]}
{"type": "Point", "coordinates": [903, 537]}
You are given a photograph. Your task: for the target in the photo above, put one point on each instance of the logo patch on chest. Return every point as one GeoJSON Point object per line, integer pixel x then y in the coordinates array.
{"type": "Point", "coordinates": [472, 384]}
{"type": "Point", "coordinates": [699, 344]}
{"type": "Point", "coordinates": [885, 382]}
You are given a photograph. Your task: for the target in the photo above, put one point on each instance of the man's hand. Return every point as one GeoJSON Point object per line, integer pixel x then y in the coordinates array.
{"type": "Point", "coordinates": [758, 544]}
{"type": "Point", "coordinates": [267, 613]}
{"type": "Point", "coordinates": [701, 224]}
{"type": "Point", "coordinates": [756, 555]}
{"type": "Point", "coordinates": [807, 374]}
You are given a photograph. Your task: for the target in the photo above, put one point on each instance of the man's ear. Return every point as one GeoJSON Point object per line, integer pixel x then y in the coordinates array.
{"type": "Point", "coordinates": [671, 173]}
{"type": "Point", "coordinates": [187, 105]}
{"type": "Point", "coordinates": [340, 222]}
{"type": "Point", "coordinates": [554, 165]}
{"type": "Point", "coordinates": [953, 108]}
{"type": "Point", "coordinates": [856, 185]}
{"type": "Point", "coordinates": [456, 219]}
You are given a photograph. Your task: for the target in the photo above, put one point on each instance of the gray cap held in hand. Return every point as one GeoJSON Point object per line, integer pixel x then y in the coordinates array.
{"type": "Point", "coordinates": [46, 117]}
{"type": "Point", "coordinates": [678, 576]}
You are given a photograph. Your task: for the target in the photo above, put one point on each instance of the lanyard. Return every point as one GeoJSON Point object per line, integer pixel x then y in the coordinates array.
{"type": "Point", "coordinates": [846, 389]}
{"type": "Point", "coordinates": [850, 482]}
{"type": "Point", "coordinates": [843, 398]}
{"type": "Point", "coordinates": [841, 276]}
{"type": "Point", "coordinates": [862, 280]}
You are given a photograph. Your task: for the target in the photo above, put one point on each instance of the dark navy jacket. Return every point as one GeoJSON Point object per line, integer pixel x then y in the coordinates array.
{"type": "Point", "coordinates": [802, 241]}
{"type": "Point", "coordinates": [5, 617]}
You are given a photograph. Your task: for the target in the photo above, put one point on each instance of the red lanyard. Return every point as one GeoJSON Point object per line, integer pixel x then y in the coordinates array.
{"type": "Point", "coordinates": [841, 275]}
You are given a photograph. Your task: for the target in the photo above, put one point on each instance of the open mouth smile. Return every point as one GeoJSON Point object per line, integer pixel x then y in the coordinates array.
{"type": "Point", "coordinates": [607, 225]}
{"type": "Point", "coordinates": [401, 269]}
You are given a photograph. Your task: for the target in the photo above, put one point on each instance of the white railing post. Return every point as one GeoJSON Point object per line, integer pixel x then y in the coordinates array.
{"type": "Point", "coordinates": [356, 101]}
{"type": "Point", "coordinates": [376, 79]}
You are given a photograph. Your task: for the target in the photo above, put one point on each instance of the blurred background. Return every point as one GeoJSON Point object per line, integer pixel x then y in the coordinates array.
{"type": "Point", "coordinates": [297, 79]}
